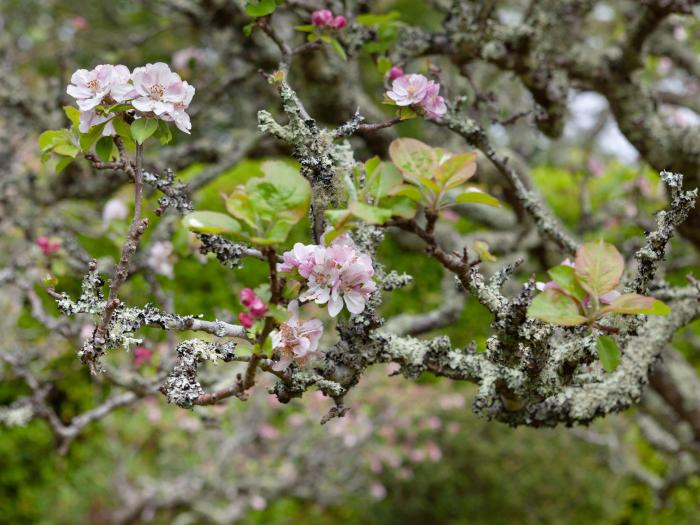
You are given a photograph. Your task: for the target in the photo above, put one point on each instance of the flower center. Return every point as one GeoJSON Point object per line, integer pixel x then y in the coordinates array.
{"type": "Point", "coordinates": [411, 90]}
{"type": "Point", "coordinates": [93, 85]}
{"type": "Point", "coordinates": [157, 90]}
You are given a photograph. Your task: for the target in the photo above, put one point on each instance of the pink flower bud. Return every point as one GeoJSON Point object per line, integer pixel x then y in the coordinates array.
{"type": "Point", "coordinates": [257, 307]}
{"type": "Point", "coordinates": [79, 23]}
{"type": "Point", "coordinates": [247, 297]}
{"type": "Point", "coordinates": [322, 17]}
{"type": "Point", "coordinates": [48, 247]}
{"type": "Point", "coordinates": [339, 22]}
{"type": "Point", "coordinates": [245, 319]}
{"type": "Point", "coordinates": [394, 73]}
{"type": "Point", "coordinates": [142, 355]}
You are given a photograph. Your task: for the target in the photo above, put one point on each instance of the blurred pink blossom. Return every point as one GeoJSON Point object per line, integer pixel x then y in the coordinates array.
{"type": "Point", "coordinates": [142, 355]}
{"type": "Point", "coordinates": [377, 490]}
{"type": "Point", "coordinates": [394, 73]}
{"type": "Point", "coordinates": [322, 17]}
{"type": "Point", "coordinates": [245, 319]}
{"type": "Point", "coordinates": [48, 246]}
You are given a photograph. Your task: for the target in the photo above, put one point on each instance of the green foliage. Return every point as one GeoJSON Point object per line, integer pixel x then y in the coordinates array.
{"type": "Point", "coordinates": [266, 208]}
{"type": "Point", "coordinates": [143, 128]}
{"type": "Point", "coordinates": [608, 352]}
{"type": "Point", "coordinates": [433, 172]}
{"type": "Point", "coordinates": [371, 198]}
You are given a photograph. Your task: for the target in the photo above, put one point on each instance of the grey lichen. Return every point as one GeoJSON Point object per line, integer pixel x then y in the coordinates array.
{"type": "Point", "coordinates": [182, 385]}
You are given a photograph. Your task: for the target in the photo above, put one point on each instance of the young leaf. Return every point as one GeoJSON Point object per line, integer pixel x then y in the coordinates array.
{"type": "Point", "coordinates": [554, 306]}
{"type": "Point", "coordinates": [73, 114]}
{"type": "Point", "coordinates": [89, 138]}
{"type": "Point", "coordinates": [369, 214]}
{"type": "Point", "coordinates": [482, 249]}
{"type": "Point", "coordinates": [61, 164]}
{"type": "Point", "coordinates": [163, 132]}
{"type": "Point", "coordinates": [338, 49]}
{"type": "Point", "coordinates": [211, 222]}
{"type": "Point", "coordinates": [608, 352]}
{"type": "Point", "coordinates": [475, 196]}
{"type": "Point", "coordinates": [632, 303]}
{"type": "Point", "coordinates": [104, 147]}
{"type": "Point", "coordinates": [383, 65]}
{"type": "Point", "coordinates": [565, 277]}
{"type": "Point", "coordinates": [143, 128]}
{"type": "Point", "coordinates": [456, 169]}
{"type": "Point", "coordinates": [599, 267]}
{"type": "Point", "coordinates": [407, 190]}
{"type": "Point", "coordinates": [51, 138]}
{"type": "Point", "coordinates": [258, 8]}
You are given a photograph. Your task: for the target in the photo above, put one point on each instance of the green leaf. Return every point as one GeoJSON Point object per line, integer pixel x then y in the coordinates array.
{"type": "Point", "coordinates": [482, 249]}
{"type": "Point", "coordinates": [337, 217]}
{"type": "Point", "coordinates": [565, 277]}
{"type": "Point", "coordinates": [89, 138]}
{"type": "Point", "coordinates": [248, 29]}
{"type": "Point", "coordinates": [456, 170]}
{"type": "Point", "coordinates": [73, 114]}
{"type": "Point", "coordinates": [372, 19]}
{"type": "Point", "coordinates": [413, 158]}
{"type": "Point", "coordinates": [122, 128]}
{"type": "Point", "coordinates": [282, 190]}
{"type": "Point", "coordinates": [63, 163]}
{"type": "Point", "coordinates": [211, 222]}
{"type": "Point", "coordinates": [632, 303]}
{"type": "Point", "coordinates": [277, 312]}
{"type": "Point", "coordinates": [599, 267]}
{"type": "Point", "coordinates": [399, 206]}
{"type": "Point", "coordinates": [307, 28]}
{"type": "Point", "coordinates": [338, 49]}
{"type": "Point", "coordinates": [384, 178]}
{"type": "Point", "coordinates": [52, 137]}
{"type": "Point", "coordinates": [258, 8]}
{"type": "Point", "coordinates": [369, 214]}
{"type": "Point", "coordinates": [407, 190]}
{"type": "Point", "coordinates": [406, 113]}
{"type": "Point", "coordinates": [472, 195]}
{"type": "Point", "coordinates": [554, 306]}
{"type": "Point", "coordinates": [383, 65]}
{"type": "Point", "coordinates": [608, 352]}
{"type": "Point", "coordinates": [163, 132]}
{"type": "Point", "coordinates": [104, 148]}
{"type": "Point", "coordinates": [68, 150]}
{"type": "Point", "coordinates": [143, 128]}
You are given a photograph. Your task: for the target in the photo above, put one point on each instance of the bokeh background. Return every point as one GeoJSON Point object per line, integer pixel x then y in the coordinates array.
{"type": "Point", "coordinates": [407, 452]}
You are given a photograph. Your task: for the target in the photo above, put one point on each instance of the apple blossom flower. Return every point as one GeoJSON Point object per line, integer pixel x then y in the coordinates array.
{"type": "Point", "coordinates": [48, 246]}
{"type": "Point", "coordinates": [158, 90]}
{"type": "Point", "coordinates": [296, 340]}
{"type": "Point", "coordinates": [433, 104]}
{"type": "Point", "coordinates": [245, 319]}
{"type": "Point", "coordinates": [321, 18]}
{"type": "Point", "coordinates": [160, 258]}
{"type": "Point", "coordinates": [301, 258]}
{"type": "Point", "coordinates": [114, 210]}
{"type": "Point", "coordinates": [394, 73]}
{"type": "Point", "coordinates": [408, 90]}
{"type": "Point", "coordinates": [178, 115]}
{"type": "Point", "coordinates": [336, 275]}
{"type": "Point", "coordinates": [91, 88]}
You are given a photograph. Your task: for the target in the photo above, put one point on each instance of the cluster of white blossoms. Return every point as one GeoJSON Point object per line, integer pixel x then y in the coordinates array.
{"type": "Point", "coordinates": [152, 90]}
